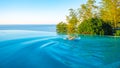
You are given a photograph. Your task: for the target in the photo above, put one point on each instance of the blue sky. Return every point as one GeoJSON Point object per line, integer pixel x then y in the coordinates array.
{"type": "Point", "coordinates": [36, 11]}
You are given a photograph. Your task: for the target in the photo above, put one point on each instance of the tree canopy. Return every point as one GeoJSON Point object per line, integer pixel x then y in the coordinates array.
{"type": "Point", "coordinates": [95, 26]}
{"type": "Point", "coordinates": [110, 11]}
{"type": "Point", "coordinates": [92, 19]}
{"type": "Point", "coordinates": [61, 28]}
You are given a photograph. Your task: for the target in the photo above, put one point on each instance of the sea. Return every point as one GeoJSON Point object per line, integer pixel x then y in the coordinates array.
{"type": "Point", "coordinates": [38, 27]}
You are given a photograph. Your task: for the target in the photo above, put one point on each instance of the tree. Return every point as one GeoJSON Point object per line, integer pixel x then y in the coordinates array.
{"type": "Point", "coordinates": [72, 17]}
{"type": "Point", "coordinates": [61, 28]}
{"type": "Point", "coordinates": [94, 26]}
{"type": "Point", "coordinates": [87, 10]}
{"type": "Point", "coordinates": [117, 33]}
{"type": "Point", "coordinates": [72, 21]}
{"type": "Point", "coordinates": [92, 19]}
{"type": "Point", "coordinates": [71, 29]}
{"type": "Point", "coordinates": [110, 11]}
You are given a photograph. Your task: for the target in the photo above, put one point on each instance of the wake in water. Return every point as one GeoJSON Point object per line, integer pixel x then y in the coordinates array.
{"type": "Point", "coordinates": [36, 49]}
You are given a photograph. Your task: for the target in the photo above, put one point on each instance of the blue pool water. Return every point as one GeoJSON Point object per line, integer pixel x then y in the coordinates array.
{"type": "Point", "coordinates": [44, 49]}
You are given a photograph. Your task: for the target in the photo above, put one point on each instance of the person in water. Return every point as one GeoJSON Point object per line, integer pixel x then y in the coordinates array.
{"type": "Point", "coordinates": [71, 37]}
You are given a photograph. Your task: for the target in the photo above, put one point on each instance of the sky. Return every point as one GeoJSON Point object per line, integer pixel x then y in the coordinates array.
{"type": "Point", "coordinates": [36, 11]}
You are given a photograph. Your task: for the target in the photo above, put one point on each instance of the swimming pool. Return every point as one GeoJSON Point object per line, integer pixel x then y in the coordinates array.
{"type": "Point", "coordinates": [39, 49]}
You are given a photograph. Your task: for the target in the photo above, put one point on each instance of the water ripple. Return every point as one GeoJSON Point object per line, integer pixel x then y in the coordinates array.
{"type": "Point", "coordinates": [29, 49]}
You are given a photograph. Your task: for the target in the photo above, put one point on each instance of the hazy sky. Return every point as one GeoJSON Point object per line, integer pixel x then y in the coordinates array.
{"type": "Point", "coordinates": [35, 11]}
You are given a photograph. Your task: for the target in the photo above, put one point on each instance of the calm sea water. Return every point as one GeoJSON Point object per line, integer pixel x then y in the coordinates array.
{"type": "Point", "coordinates": [50, 28]}
{"type": "Point", "coordinates": [43, 48]}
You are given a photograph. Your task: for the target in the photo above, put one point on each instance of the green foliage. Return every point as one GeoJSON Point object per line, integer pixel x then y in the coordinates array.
{"type": "Point", "coordinates": [88, 10]}
{"type": "Point", "coordinates": [92, 19]}
{"type": "Point", "coordinates": [94, 26]}
{"type": "Point", "coordinates": [72, 18]}
{"type": "Point", "coordinates": [61, 28]}
{"type": "Point", "coordinates": [117, 33]}
{"type": "Point", "coordinates": [72, 21]}
{"type": "Point", "coordinates": [71, 29]}
{"type": "Point", "coordinates": [110, 11]}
